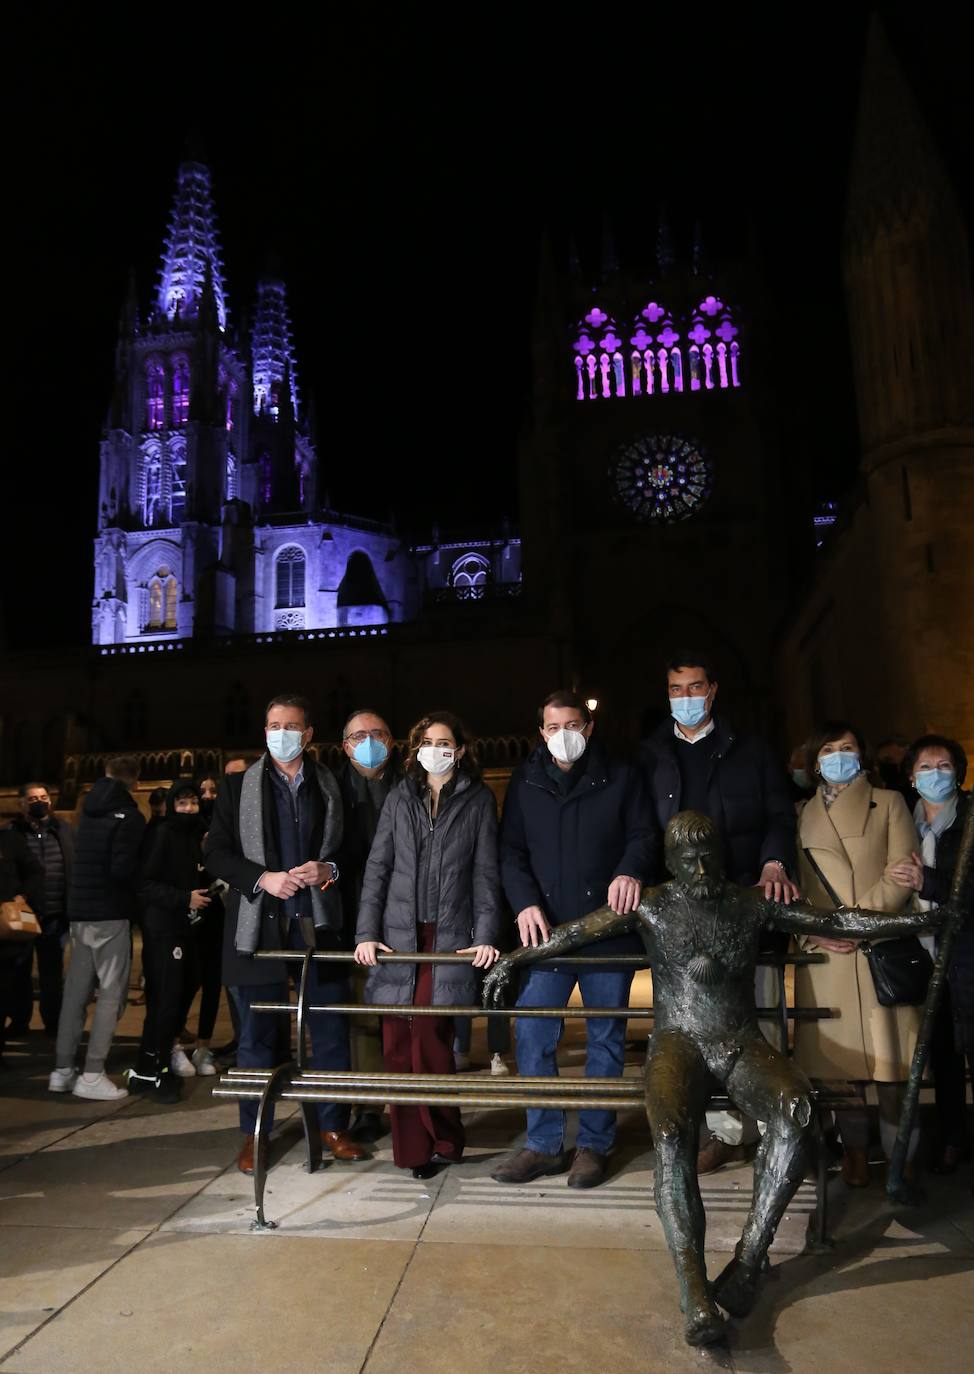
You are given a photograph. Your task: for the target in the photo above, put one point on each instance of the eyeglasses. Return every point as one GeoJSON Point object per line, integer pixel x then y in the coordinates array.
{"type": "Point", "coordinates": [360, 735]}
{"type": "Point", "coordinates": [572, 726]}
{"type": "Point", "coordinates": [935, 768]}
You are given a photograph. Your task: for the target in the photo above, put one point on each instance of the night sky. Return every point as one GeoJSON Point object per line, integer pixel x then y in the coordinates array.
{"type": "Point", "coordinates": [403, 170]}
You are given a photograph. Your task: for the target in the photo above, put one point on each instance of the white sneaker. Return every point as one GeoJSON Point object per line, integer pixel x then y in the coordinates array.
{"type": "Point", "coordinates": [180, 1065]}
{"type": "Point", "coordinates": [101, 1089]}
{"type": "Point", "coordinates": [62, 1080]}
{"type": "Point", "coordinates": [497, 1065]}
{"type": "Point", "coordinates": [203, 1062]}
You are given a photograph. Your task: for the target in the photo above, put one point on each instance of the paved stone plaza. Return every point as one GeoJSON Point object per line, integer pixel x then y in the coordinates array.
{"type": "Point", "coordinates": [125, 1246]}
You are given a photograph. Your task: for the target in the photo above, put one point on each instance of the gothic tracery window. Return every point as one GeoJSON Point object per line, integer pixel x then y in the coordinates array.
{"type": "Point", "coordinates": [289, 574]}
{"type": "Point", "coordinates": [155, 391]}
{"type": "Point", "coordinates": [180, 390]}
{"type": "Point", "coordinates": [469, 577]}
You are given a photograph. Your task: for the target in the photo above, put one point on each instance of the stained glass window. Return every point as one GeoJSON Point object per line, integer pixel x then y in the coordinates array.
{"type": "Point", "coordinates": [661, 477]}
{"type": "Point", "coordinates": [290, 577]}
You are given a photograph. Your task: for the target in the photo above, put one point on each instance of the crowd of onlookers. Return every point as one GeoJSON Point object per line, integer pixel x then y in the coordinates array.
{"type": "Point", "coordinates": [402, 851]}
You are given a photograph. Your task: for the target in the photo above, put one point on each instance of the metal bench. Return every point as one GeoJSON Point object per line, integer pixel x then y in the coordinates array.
{"type": "Point", "coordinates": [294, 1081]}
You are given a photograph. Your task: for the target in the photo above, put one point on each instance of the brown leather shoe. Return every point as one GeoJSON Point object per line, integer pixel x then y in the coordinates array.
{"type": "Point", "coordinates": [588, 1169]}
{"type": "Point", "coordinates": [528, 1165]}
{"type": "Point", "coordinates": [714, 1155]}
{"type": "Point", "coordinates": [342, 1146]}
{"type": "Point", "coordinates": [855, 1167]}
{"type": "Point", "coordinates": [245, 1159]}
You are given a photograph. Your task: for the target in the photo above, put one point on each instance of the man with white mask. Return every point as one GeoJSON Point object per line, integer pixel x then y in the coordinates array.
{"type": "Point", "coordinates": [576, 829]}
{"type": "Point", "coordinates": [274, 834]}
{"type": "Point", "coordinates": [697, 761]}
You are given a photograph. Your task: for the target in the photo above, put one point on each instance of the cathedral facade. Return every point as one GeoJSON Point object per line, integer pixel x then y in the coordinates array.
{"type": "Point", "coordinates": [210, 520]}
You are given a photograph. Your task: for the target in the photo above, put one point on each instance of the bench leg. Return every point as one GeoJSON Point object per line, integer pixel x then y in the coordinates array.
{"type": "Point", "coordinates": [818, 1231]}
{"type": "Point", "coordinates": [277, 1081]}
{"type": "Point", "coordinates": [312, 1136]}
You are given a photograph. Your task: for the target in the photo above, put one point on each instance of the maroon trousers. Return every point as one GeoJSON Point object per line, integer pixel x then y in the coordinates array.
{"type": "Point", "coordinates": [422, 1044]}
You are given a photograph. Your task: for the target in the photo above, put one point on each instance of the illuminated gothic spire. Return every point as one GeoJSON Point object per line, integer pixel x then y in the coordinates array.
{"type": "Point", "coordinates": [191, 246]}
{"type": "Point", "coordinates": [272, 347]}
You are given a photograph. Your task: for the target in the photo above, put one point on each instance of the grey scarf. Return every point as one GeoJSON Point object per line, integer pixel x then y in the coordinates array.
{"type": "Point", "coordinates": [252, 843]}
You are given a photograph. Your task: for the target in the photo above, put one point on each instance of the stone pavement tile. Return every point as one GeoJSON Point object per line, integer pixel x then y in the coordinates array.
{"type": "Point", "coordinates": [119, 1186]}
{"type": "Point", "coordinates": [42, 1268]}
{"type": "Point", "coordinates": [207, 1126]}
{"type": "Point", "coordinates": [887, 1308]}
{"type": "Point", "coordinates": [465, 1309]}
{"type": "Point", "coordinates": [619, 1214]}
{"type": "Point", "coordinates": [368, 1201]}
{"type": "Point", "coordinates": [32, 1118]}
{"type": "Point", "coordinates": [226, 1305]}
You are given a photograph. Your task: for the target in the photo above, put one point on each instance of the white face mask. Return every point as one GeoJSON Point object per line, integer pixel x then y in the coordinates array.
{"type": "Point", "coordinates": [567, 746]}
{"type": "Point", "coordinates": [436, 761]}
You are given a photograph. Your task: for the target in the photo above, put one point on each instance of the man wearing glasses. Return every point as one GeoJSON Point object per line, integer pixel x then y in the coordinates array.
{"type": "Point", "coordinates": [576, 830]}
{"type": "Point", "coordinates": [366, 775]}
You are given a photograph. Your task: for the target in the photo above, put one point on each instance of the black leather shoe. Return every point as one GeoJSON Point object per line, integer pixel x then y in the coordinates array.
{"type": "Point", "coordinates": [426, 1170]}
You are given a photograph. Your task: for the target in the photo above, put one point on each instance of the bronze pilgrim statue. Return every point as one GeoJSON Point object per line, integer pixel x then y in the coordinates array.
{"type": "Point", "coordinates": [701, 933]}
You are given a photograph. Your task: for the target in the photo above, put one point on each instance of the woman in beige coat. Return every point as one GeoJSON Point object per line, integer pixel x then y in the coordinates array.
{"type": "Point", "coordinates": [855, 833]}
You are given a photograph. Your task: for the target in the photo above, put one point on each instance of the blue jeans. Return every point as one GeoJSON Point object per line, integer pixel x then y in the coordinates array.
{"type": "Point", "coordinates": [537, 1049]}
{"type": "Point", "coordinates": [258, 1048]}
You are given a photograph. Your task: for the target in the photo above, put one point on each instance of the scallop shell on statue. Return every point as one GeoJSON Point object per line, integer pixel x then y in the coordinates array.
{"type": "Point", "coordinates": [705, 969]}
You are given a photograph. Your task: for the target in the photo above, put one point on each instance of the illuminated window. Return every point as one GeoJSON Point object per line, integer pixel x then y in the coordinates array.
{"type": "Point", "coordinates": [290, 577]}
{"type": "Point", "coordinates": [231, 477]}
{"type": "Point", "coordinates": [155, 390]}
{"type": "Point", "coordinates": [469, 577]}
{"type": "Point", "coordinates": [172, 597]}
{"type": "Point", "coordinates": [180, 390]}
{"type": "Point", "coordinates": [662, 355]}
{"type": "Point", "coordinates": [155, 604]}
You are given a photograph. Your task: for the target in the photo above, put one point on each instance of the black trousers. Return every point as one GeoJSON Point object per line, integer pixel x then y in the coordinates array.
{"type": "Point", "coordinates": [201, 969]}
{"type": "Point", "coordinates": [165, 945]}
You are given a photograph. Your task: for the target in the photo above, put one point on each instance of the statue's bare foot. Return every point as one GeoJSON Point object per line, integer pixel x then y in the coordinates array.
{"type": "Point", "coordinates": [704, 1324]}
{"type": "Point", "coordinates": [736, 1287]}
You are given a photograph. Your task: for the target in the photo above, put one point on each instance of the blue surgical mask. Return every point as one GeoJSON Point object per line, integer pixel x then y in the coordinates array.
{"type": "Point", "coordinates": [284, 745]}
{"type": "Point", "coordinates": [800, 778]}
{"type": "Point", "coordinates": [840, 767]}
{"type": "Point", "coordinates": [370, 753]}
{"type": "Point", "coordinates": [935, 784]}
{"type": "Point", "coordinates": [689, 711]}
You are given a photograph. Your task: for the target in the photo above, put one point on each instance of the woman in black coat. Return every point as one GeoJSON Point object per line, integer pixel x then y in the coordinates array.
{"type": "Point", "coordinates": [431, 884]}
{"type": "Point", "coordinates": [937, 766]}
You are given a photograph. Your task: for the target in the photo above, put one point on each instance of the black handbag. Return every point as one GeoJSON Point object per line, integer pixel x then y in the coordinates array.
{"type": "Point", "coordinates": [900, 967]}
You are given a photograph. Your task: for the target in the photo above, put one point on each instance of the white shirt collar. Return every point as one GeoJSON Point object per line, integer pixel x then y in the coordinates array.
{"type": "Point", "coordinates": [701, 734]}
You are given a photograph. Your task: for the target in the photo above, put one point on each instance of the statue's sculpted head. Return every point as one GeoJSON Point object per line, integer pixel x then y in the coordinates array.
{"type": "Point", "coordinates": [694, 854]}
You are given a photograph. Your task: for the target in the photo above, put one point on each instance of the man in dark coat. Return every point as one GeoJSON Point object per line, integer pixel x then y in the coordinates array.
{"type": "Point", "coordinates": [576, 829]}
{"type": "Point", "coordinates": [275, 831]}
{"type": "Point", "coordinates": [370, 768]}
{"type": "Point", "coordinates": [52, 843]}
{"type": "Point", "coordinates": [102, 903]}
{"type": "Point", "coordinates": [697, 761]}
{"type": "Point", "coordinates": [21, 875]}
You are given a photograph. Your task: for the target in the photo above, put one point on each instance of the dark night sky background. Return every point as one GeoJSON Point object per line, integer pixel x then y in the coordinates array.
{"type": "Point", "coordinates": [404, 167]}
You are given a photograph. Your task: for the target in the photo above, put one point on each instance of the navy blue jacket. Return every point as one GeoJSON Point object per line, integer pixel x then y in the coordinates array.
{"type": "Point", "coordinates": [561, 852]}
{"type": "Point", "coordinates": [748, 798]}
{"type": "Point", "coordinates": [104, 876]}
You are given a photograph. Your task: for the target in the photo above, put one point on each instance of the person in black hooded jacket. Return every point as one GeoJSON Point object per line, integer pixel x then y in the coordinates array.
{"type": "Point", "coordinates": [101, 905]}
{"type": "Point", "coordinates": [173, 898]}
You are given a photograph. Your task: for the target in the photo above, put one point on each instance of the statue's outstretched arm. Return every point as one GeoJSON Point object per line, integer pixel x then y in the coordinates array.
{"type": "Point", "coordinates": [849, 923]}
{"type": "Point", "coordinates": [596, 926]}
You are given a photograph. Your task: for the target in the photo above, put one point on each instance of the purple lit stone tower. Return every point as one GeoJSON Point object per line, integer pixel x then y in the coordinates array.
{"type": "Point", "coordinates": [209, 523]}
